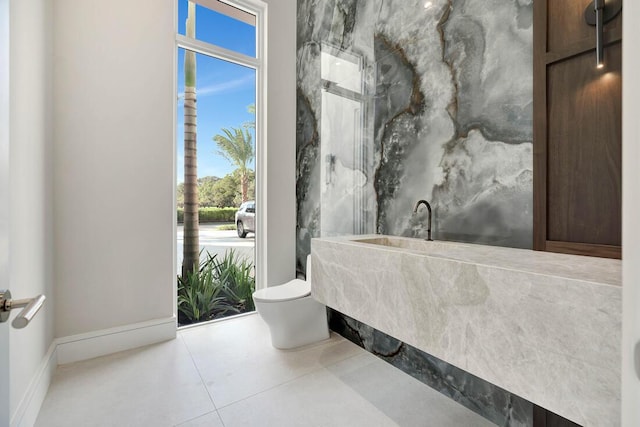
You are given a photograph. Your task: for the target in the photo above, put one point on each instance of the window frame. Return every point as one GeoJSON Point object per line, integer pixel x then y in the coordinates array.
{"type": "Point", "coordinates": [259, 64]}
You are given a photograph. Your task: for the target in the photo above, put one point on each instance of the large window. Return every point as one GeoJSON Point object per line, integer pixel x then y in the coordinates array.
{"type": "Point", "coordinates": [216, 142]}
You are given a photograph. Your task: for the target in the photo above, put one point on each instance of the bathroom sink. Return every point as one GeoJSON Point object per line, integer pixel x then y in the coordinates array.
{"type": "Point", "coordinates": [434, 248]}
{"type": "Point", "coordinates": [477, 307]}
{"type": "Point", "coordinates": [590, 269]}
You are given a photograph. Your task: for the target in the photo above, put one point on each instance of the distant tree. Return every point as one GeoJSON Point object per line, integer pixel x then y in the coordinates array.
{"type": "Point", "coordinates": [237, 147]}
{"type": "Point", "coordinates": [252, 185]}
{"type": "Point", "coordinates": [180, 195]}
{"type": "Point", "coordinates": [227, 191]}
{"type": "Point", "coordinates": [206, 191]}
{"type": "Point", "coordinates": [219, 192]}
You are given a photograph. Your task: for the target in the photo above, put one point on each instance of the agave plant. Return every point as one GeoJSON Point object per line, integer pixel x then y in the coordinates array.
{"type": "Point", "coordinates": [202, 295]}
{"type": "Point", "coordinates": [236, 273]}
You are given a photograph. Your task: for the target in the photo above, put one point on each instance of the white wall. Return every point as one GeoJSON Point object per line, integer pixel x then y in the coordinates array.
{"type": "Point", "coordinates": [281, 145]}
{"type": "Point", "coordinates": [631, 214]}
{"type": "Point", "coordinates": [113, 156]}
{"type": "Point", "coordinates": [30, 212]}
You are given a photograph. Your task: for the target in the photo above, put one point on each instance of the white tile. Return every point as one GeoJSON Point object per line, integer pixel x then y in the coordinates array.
{"type": "Point", "coordinates": [316, 399]}
{"type": "Point", "coordinates": [333, 383]}
{"type": "Point", "coordinates": [360, 391]}
{"type": "Point", "coordinates": [212, 419]}
{"type": "Point", "coordinates": [401, 397]}
{"type": "Point", "coordinates": [236, 358]}
{"type": "Point", "coordinates": [156, 385]}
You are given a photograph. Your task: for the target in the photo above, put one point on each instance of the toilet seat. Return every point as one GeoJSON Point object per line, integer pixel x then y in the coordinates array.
{"type": "Point", "coordinates": [291, 290]}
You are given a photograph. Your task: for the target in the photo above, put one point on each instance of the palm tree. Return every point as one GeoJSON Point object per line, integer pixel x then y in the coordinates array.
{"type": "Point", "coordinates": [191, 247]}
{"type": "Point", "coordinates": [236, 146]}
{"type": "Point", "coordinates": [251, 109]}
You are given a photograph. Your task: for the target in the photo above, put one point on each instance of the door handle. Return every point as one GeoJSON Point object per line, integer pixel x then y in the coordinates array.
{"type": "Point", "coordinates": [30, 307]}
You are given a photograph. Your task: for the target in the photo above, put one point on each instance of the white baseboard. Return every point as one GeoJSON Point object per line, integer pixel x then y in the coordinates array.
{"type": "Point", "coordinates": [29, 406]}
{"type": "Point", "coordinates": [82, 347]}
{"type": "Point", "coordinates": [107, 341]}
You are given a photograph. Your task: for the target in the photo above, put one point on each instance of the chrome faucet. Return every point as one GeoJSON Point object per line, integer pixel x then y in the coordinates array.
{"type": "Point", "coordinates": [415, 210]}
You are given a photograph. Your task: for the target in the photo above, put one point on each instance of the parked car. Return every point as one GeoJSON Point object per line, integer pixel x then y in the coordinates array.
{"type": "Point", "coordinates": [246, 219]}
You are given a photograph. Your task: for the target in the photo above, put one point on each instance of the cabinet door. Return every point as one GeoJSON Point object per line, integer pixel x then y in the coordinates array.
{"type": "Point", "coordinates": [577, 132]}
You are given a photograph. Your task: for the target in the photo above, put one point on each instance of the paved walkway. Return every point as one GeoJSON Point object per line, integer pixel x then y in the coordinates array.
{"type": "Point", "coordinates": [219, 241]}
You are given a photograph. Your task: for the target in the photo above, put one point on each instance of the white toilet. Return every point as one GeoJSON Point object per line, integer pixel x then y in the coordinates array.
{"type": "Point", "coordinates": [294, 318]}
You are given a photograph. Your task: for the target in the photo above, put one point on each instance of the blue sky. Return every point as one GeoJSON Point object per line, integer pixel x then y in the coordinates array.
{"type": "Point", "coordinates": [224, 90]}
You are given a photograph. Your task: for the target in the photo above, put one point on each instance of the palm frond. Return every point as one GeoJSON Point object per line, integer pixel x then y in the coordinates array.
{"type": "Point", "coordinates": [236, 146]}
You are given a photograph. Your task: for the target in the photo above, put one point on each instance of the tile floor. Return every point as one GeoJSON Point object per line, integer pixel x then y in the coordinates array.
{"type": "Point", "coordinates": [227, 374]}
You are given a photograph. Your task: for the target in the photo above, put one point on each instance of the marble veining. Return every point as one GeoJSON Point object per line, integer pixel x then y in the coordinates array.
{"type": "Point", "coordinates": [307, 177]}
{"type": "Point", "coordinates": [533, 328]}
{"type": "Point", "coordinates": [443, 112]}
{"type": "Point", "coordinates": [398, 102]}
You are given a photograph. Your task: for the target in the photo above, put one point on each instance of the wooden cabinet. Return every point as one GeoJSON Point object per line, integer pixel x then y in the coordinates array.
{"type": "Point", "coordinates": [577, 132]}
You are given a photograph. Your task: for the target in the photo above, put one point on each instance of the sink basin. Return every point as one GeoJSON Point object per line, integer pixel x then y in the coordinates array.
{"type": "Point", "coordinates": [590, 269]}
{"type": "Point", "coordinates": [429, 247]}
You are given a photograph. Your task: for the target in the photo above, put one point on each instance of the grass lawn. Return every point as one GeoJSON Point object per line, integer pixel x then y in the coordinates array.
{"type": "Point", "coordinates": [226, 227]}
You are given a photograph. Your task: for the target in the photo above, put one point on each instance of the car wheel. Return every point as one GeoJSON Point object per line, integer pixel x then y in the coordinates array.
{"type": "Point", "coordinates": [242, 233]}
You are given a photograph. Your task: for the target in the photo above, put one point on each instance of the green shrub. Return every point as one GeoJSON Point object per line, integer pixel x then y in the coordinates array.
{"type": "Point", "coordinates": [217, 214]}
{"type": "Point", "coordinates": [202, 295]}
{"type": "Point", "coordinates": [212, 214]}
{"type": "Point", "coordinates": [237, 275]}
{"type": "Point", "coordinates": [216, 288]}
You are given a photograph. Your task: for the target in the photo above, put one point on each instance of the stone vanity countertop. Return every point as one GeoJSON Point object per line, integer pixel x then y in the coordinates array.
{"type": "Point", "coordinates": [544, 326]}
{"type": "Point", "coordinates": [589, 269]}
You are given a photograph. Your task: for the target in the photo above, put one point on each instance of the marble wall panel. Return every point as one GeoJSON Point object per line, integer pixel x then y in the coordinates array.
{"type": "Point", "coordinates": [446, 116]}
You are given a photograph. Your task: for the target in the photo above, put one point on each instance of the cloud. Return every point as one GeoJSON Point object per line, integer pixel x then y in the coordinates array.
{"type": "Point", "coordinates": [227, 86]}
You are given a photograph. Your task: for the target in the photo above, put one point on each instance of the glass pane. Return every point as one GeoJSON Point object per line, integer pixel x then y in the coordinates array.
{"type": "Point", "coordinates": [224, 92]}
{"type": "Point", "coordinates": [345, 191]}
{"type": "Point", "coordinates": [341, 71]}
{"type": "Point", "coordinates": [217, 28]}
{"type": "Point", "coordinates": [225, 101]}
